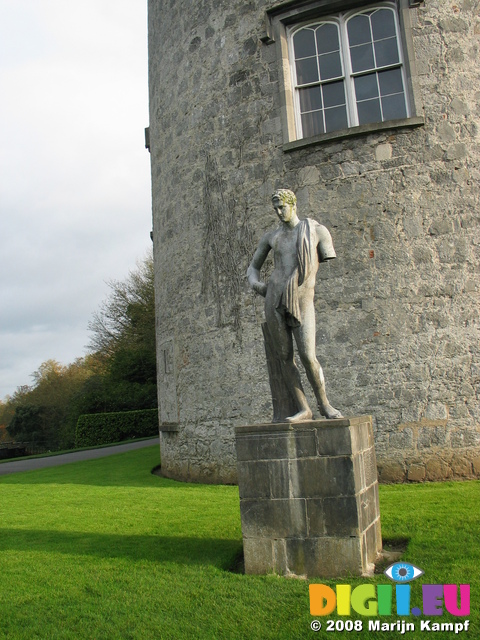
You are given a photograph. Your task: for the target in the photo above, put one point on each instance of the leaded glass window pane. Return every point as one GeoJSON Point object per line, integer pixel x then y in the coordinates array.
{"type": "Point", "coordinates": [362, 58]}
{"type": "Point", "coordinates": [366, 87]}
{"type": "Point", "coordinates": [327, 38]}
{"type": "Point", "coordinates": [310, 99]}
{"type": "Point", "coordinates": [369, 111]}
{"type": "Point", "coordinates": [307, 70]}
{"type": "Point", "coordinates": [393, 107]}
{"type": "Point", "coordinates": [386, 52]}
{"type": "Point", "coordinates": [383, 24]}
{"type": "Point", "coordinates": [333, 94]}
{"type": "Point", "coordinates": [336, 119]}
{"type": "Point", "coordinates": [359, 30]}
{"type": "Point", "coordinates": [312, 123]}
{"type": "Point", "coordinates": [390, 81]}
{"type": "Point", "coordinates": [304, 43]}
{"type": "Point", "coordinates": [330, 66]}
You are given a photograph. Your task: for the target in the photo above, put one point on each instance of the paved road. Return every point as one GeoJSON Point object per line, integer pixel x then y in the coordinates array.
{"type": "Point", "coordinates": [65, 458]}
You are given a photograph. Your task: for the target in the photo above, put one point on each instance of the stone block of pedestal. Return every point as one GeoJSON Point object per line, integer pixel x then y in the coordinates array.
{"type": "Point", "coordinates": [309, 497]}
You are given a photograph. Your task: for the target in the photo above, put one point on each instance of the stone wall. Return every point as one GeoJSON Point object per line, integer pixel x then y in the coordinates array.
{"type": "Point", "coordinates": [397, 312]}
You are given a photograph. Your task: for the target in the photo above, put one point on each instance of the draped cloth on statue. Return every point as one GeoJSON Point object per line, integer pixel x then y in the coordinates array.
{"type": "Point", "coordinates": [307, 258]}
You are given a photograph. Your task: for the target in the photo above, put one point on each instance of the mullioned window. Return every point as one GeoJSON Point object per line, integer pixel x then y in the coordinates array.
{"type": "Point", "coordinates": [349, 71]}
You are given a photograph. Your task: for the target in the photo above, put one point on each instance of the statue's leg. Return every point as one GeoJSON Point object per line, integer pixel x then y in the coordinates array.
{"type": "Point", "coordinates": [283, 343]}
{"type": "Point", "coordinates": [305, 338]}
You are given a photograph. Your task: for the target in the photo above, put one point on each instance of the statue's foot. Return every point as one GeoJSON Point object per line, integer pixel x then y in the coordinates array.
{"type": "Point", "coordinates": [330, 413]}
{"type": "Point", "coordinates": [306, 414]}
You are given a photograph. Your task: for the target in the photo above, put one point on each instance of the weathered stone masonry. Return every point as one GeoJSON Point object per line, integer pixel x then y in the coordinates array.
{"type": "Point", "coordinates": [397, 312]}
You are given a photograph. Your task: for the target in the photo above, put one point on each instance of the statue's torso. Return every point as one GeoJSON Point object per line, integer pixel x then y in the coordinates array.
{"type": "Point", "coordinates": [284, 246]}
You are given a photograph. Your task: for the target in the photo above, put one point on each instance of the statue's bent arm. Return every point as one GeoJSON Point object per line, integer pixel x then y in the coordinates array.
{"type": "Point", "coordinates": [253, 272]}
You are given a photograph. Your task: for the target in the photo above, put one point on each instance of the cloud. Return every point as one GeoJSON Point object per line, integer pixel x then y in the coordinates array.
{"type": "Point", "coordinates": [75, 206]}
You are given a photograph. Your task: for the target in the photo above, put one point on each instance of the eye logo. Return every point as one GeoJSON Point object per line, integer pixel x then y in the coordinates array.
{"type": "Point", "coordinates": [402, 572]}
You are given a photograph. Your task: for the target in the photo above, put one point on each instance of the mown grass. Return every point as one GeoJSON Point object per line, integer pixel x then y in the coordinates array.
{"type": "Point", "coordinates": [105, 550]}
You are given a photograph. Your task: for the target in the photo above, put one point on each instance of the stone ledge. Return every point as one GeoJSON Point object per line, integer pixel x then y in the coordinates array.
{"type": "Point", "coordinates": [168, 426]}
{"type": "Point", "coordinates": [301, 441]}
{"type": "Point", "coordinates": [297, 426]}
{"type": "Point", "coordinates": [362, 130]}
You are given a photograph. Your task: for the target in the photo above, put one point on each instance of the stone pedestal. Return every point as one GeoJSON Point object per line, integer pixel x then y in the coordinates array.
{"type": "Point", "coordinates": [309, 497]}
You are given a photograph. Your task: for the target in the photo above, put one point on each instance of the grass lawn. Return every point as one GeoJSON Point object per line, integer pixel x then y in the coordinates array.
{"type": "Point", "coordinates": [105, 550]}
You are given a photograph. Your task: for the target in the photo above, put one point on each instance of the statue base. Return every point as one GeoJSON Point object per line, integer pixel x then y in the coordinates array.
{"type": "Point", "coordinates": [309, 497]}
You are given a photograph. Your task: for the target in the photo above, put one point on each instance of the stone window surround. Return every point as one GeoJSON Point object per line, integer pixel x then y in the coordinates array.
{"type": "Point", "coordinates": [287, 13]}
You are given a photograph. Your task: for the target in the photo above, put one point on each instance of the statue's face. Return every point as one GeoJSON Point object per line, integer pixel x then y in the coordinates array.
{"type": "Point", "coordinates": [284, 210]}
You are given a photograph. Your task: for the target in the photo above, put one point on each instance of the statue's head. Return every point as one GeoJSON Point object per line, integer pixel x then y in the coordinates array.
{"type": "Point", "coordinates": [285, 205]}
{"type": "Point", "coordinates": [286, 196]}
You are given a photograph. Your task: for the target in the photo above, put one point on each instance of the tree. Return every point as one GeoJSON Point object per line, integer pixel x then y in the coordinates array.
{"type": "Point", "coordinates": [6, 414]}
{"type": "Point", "coordinates": [124, 335]}
{"type": "Point", "coordinates": [27, 424]}
{"type": "Point", "coordinates": [118, 374]}
{"type": "Point", "coordinates": [45, 412]}
{"type": "Point", "coordinates": [127, 318]}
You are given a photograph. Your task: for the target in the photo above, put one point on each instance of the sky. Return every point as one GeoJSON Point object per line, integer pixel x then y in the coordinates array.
{"type": "Point", "coordinates": [75, 205]}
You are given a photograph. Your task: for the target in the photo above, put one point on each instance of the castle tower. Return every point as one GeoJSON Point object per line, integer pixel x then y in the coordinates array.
{"type": "Point", "coordinates": [368, 111]}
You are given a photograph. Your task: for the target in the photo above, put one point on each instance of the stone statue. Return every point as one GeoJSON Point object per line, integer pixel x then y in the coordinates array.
{"type": "Point", "coordinates": [298, 247]}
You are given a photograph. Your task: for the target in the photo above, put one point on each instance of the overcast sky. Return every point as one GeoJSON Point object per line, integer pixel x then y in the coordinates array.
{"type": "Point", "coordinates": [75, 206]}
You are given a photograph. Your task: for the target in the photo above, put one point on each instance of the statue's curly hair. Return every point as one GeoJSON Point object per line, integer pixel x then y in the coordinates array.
{"type": "Point", "coordinates": [285, 195]}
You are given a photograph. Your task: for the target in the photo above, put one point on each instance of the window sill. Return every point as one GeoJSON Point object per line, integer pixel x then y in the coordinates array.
{"type": "Point", "coordinates": [352, 132]}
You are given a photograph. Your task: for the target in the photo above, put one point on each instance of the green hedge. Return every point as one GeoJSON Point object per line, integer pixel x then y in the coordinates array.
{"type": "Point", "coordinates": [103, 428]}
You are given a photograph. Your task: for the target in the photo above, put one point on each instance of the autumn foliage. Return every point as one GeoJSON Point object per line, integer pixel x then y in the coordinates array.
{"type": "Point", "coordinates": [118, 374]}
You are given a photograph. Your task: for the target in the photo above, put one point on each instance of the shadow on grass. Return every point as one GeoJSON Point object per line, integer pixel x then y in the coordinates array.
{"type": "Point", "coordinates": [179, 550]}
